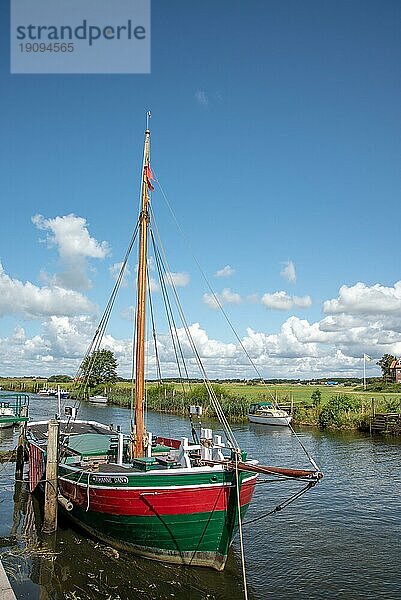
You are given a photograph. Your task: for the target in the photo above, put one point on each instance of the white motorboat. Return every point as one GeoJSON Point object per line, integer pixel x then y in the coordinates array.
{"type": "Point", "coordinates": [7, 415]}
{"type": "Point", "coordinates": [266, 413]}
{"type": "Point", "coordinates": [98, 399]}
{"type": "Point", "coordinates": [47, 392]}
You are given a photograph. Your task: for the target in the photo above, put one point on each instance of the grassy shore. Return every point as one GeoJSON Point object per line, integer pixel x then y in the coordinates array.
{"type": "Point", "coordinates": [341, 406]}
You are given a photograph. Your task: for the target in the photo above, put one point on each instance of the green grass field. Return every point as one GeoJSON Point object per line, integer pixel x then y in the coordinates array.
{"type": "Point", "coordinates": [346, 406]}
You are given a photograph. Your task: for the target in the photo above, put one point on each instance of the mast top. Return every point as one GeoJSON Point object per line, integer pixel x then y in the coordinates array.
{"type": "Point", "coordinates": [148, 116]}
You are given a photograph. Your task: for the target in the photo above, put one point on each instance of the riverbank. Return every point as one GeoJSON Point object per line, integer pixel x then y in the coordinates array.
{"type": "Point", "coordinates": [320, 407]}
{"type": "Point", "coordinates": [313, 535]}
{"type": "Point", "coordinates": [326, 407]}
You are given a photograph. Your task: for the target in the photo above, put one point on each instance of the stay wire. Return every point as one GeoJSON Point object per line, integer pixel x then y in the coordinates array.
{"type": "Point", "coordinates": [215, 297]}
{"type": "Point", "coordinates": [98, 337]}
{"type": "Point", "coordinates": [154, 336]}
{"type": "Point", "coordinates": [170, 315]}
{"type": "Point", "coordinates": [284, 504]}
{"type": "Point", "coordinates": [225, 314]}
{"type": "Point", "coordinates": [213, 398]}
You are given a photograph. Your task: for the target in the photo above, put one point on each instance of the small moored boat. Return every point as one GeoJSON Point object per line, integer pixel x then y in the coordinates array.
{"type": "Point", "coordinates": [266, 413]}
{"type": "Point", "coordinates": [13, 409]}
{"type": "Point", "coordinates": [98, 399]}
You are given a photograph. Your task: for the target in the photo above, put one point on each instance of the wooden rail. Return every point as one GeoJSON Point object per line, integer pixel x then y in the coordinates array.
{"type": "Point", "coordinates": [386, 423]}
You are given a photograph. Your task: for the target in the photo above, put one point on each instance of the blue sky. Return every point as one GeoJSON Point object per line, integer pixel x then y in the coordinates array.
{"type": "Point", "coordinates": [276, 136]}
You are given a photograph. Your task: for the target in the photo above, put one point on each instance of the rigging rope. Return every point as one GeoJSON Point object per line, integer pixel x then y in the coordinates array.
{"type": "Point", "coordinates": [215, 297]}
{"type": "Point", "coordinates": [284, 504]}
{"type": "Point", "coordinates": [169, 312]}
{"type": "Point", "coordinates": [85, 369]}
{"type": "Point", "coordinates": [213, 398]}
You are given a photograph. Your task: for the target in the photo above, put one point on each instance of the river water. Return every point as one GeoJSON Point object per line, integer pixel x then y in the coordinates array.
{"type": "Point", "coordinates": [340, 540]}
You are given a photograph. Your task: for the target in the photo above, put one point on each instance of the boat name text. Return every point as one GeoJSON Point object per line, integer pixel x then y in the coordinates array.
{"type": "Point", "coordinates": [109, 479]}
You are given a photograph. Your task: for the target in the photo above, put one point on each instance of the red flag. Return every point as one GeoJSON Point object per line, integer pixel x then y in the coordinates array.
{"type": "Point", "coordinates": [149, 176]}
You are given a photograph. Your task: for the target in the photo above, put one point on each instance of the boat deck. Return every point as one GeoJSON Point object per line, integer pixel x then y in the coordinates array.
{"type": "Point", "coordinates": [92, 446]}
{"type": "Point", "coordinates": [39, 430]}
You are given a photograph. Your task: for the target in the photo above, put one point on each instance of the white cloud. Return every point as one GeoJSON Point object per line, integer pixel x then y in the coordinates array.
{"type": "Point", "coordinates": [115, 269]}
{"type": "Point", "coordinates": [59, 348]}
{"type": "Point", "coordinates": [201, 98]}
{"type": "Point", "coordinates": [333, 345]}
{"type": "Point", "coordinates": [288, 272]}
{"type": "Point", "coordinates": [70, 235]}
{"type": "Point", "coordinates": [46, 359]}
{"type": "Point", "coordinates": [32, 302]}
{"type": "Point", "coordinates": [282, 301]}
{"type": "Point", "coordinates": [206, 347]}
{"type": "Point", "coordinates": [361, 299]}
{"type": "Point", "coordinates": [226, 271]}
{"type": "Point", "coordinates": [177, 279]}
{"type": "Point", "coordinates": [216, 300]}
{"type": "Point", "coordinates": [153, 285]}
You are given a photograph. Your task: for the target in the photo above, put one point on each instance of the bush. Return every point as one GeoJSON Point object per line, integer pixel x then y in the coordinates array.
{"type": "Point", "coordinates": [338, 411]}
{"type": "Point", "coordinates": [316, 397]}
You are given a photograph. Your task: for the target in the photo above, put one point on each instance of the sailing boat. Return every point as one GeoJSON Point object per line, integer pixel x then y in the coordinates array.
{"type": "Point", "coordinates": [172, 500]}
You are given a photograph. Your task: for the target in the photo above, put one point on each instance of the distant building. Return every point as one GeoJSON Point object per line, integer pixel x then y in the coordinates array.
{"type": "Point", "coordinates": [331, 383]}
{"type": "Point", "coordinates": [395, 371]}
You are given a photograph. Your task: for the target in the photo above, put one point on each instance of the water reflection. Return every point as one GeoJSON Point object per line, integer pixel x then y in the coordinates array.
{"type": "Point", "coordinates": [69, 565]}
{"type": "Point", "coordinates": [342, 539]}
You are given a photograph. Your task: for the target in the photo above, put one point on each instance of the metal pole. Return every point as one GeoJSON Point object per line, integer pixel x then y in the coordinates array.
{"type": "Point", "coordinates": [364, 371]}
{"type": "Point", "coordinates": [59, 401]}
{"type": "Point", "coordinates": [19, 465]}
{"type": "Point", "coordinates": [50, 510]}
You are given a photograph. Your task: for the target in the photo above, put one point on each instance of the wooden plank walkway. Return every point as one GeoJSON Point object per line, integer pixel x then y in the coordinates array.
{"type": "Point", "coordinates": [6, 591]}
{"type": "Point", "coordinates": [386, 423]}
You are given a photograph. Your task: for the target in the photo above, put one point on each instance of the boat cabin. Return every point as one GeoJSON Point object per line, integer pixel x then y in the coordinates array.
{"type": "Point", "coordinates": [261, 406]}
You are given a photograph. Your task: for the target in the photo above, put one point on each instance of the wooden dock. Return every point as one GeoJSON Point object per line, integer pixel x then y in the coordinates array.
{"type": "Point", "coordinates": [386, 423]}
{"type": "Point", "coordinates": [6, 591]}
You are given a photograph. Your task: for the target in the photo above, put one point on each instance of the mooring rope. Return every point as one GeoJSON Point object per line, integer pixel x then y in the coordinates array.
{"type": "Point", "coordinates": [241, 540]}
{"type": "Point", "coordinates": [284, 504]}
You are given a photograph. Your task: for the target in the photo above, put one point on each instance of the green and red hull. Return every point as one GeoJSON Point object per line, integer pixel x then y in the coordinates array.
{"type": "Point", "coordinates": [178, 516]}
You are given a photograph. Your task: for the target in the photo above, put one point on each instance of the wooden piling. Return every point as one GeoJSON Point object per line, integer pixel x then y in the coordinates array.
{"type": "Point", "coordinates": [50, 508]}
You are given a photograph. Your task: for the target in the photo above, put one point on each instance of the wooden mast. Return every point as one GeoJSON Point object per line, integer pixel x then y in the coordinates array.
{"type": "Point", "coordinates": [141, 308]}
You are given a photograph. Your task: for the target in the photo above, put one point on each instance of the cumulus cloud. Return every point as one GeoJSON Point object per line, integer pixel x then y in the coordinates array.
{"type": "Point", "coordinates": [32, 302]}
{"type": "Point", "coordinates": [282, 301]}
{"type": "Point", "coordinates": [206, 347]}
{"type": "Point", "coordinates": [226, 271]}
{"type": "Point", "coordinates": [288, 272]}
{"type": "Point", "coordinates": [59, 347]}
{"type": "Point", "coordinates": [298, 349]}
{"type": "Point", "coordinates": [332, 346]}
{"type": "Point", "coordinates": [214, 301]}
{"type": "Point", "coordinates": [115, 269]}
{"type": "Point", "coordinates": [46, 359]}
{"type": "Point", "coordinates": [70, 235]}
{"type": "Point", "coordinates": [177, 279]}
{"type": "Point", "coordinates": [361, 299]}
{"type": "Point", "coordinates": [201, 98]}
